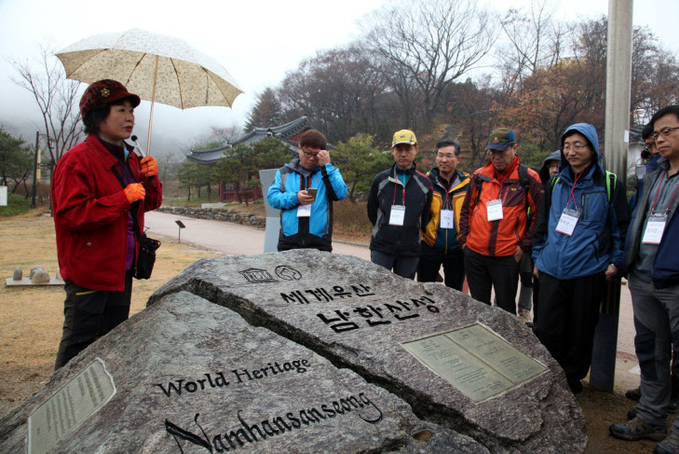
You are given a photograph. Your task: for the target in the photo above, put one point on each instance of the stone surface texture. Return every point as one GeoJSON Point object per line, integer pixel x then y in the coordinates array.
{"type": "Point", "coordinates": [39, 275]}
{"type": "Point", "coordinates": [194, 377]}
{"type": "Point", "coordinates": [541, 415]}
{"type": "Point", "coordinates": [340, 318]}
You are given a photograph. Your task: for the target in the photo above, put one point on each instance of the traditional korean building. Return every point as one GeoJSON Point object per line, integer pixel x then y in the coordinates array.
{"type": "Point", "coordinates": [288, 133]}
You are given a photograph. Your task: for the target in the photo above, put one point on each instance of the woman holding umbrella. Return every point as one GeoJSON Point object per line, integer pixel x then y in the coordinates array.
{"type": "Point", "coordinates": [100, 192]}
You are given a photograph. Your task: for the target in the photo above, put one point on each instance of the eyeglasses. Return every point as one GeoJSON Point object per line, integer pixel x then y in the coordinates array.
{"type": "Point", "coordinates": [309, 154]}
{"type": "Point", "coordinates": [665, 132]}
{"type": "Point", "coordinates": [577, 146]}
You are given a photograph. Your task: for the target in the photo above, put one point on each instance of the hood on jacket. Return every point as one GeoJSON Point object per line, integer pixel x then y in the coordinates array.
{"type": "Point", "coordinates": [544, 170]}
{"type": "Point", "coordinates": [589, 132]}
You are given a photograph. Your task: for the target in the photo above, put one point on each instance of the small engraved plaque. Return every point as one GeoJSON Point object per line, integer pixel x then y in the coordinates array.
{"type": "Point", "coordinates": [69, 407]}
{"type": "Point", "coordinates": [476, 361]}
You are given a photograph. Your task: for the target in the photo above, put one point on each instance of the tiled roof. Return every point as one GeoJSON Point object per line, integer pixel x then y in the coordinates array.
{"type": "Point", "coordinates": [287, 133]}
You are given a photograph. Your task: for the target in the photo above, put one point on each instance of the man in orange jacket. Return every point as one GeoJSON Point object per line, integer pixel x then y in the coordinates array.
{"type": "Point", "coordinates": [494, 230]}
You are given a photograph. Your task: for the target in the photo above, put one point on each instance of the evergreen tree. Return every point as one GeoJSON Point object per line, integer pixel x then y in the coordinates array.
{"type": "Point", "coordinates": [267, 111]}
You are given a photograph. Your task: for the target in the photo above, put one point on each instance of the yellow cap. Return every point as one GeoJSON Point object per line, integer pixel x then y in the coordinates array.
{"type": "Point", "coordinates": [404, 136]}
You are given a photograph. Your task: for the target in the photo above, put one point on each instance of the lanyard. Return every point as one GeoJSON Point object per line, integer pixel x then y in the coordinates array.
{"type": "Point", "coordinates": [301, 181]}
{"type": "Point", "coordinates": [571, 195]}
{"type": "Point", "coordinates": [447, 188]}
{"type": "Point", "coordinates": [657, 193]}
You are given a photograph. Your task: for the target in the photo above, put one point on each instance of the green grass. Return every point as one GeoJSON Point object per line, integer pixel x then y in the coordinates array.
{"type": "Point", "coordinates": [169, 200]}
{"type": "Point", "coordinates": [16, 205]}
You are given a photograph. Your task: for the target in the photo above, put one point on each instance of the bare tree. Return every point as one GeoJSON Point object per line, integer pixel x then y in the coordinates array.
{"type": "Point", "coordinates": [424, 46]}
{"type": "Point", "coordinates": [535, 41]}
{"type": "Point", "coordinates": [337, 92]}
{"type": "Point", "coordinates": [57, 99]}
{"type": "Point", "coordinates": [226, 134]}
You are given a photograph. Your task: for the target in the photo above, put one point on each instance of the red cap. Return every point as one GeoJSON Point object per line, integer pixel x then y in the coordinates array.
{"type": "Point", "coordinates": [104, 92]}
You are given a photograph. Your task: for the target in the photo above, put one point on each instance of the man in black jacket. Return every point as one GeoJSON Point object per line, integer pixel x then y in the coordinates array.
{"type": "Point", "coordinates": [398, 207]}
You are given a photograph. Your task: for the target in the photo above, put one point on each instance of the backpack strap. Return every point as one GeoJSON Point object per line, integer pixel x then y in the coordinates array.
{"type": "Point", "coordinates": [479, 182]}
{"type": "Point", "coordinates": [555, 179]}
{"type": "Point", "coordinates": [611, 181]}
{"type": "Point", "coordinates": [524, 179]}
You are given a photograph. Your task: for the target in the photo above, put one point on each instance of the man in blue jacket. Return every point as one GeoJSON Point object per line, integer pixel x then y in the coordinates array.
{"type": "Point", "coordinates": [304, 190]}
{"type": "Point", "coordinates": [577, 245]}
{"type": "Point", "coordinates": [653, 265]}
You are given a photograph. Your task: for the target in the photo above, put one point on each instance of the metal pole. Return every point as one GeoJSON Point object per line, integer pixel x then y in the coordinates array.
{"type": "Point", "coordinates": [616, 143]}
{"type": "Point", "coordinates": [35, 170]}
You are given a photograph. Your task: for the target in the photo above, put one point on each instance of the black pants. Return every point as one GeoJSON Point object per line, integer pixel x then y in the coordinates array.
{"type": "Point", "coordinates": [88, 315]}
{"type": "Point", "coordinates": [484, 273]}
{"type": "Point", "coordinates": [567, 317]}
{"type": "Point", "coordinates": [431, 260]}
{"type": "Point", "coordinates": [403, 266]}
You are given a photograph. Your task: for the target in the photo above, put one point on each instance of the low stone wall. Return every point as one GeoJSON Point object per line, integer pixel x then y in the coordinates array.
{"type": "Point", "coordinates": [217, 214]}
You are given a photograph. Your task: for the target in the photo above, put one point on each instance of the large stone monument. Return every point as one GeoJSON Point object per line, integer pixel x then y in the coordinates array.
{"type": "Point", "coordinates": [305, 351]}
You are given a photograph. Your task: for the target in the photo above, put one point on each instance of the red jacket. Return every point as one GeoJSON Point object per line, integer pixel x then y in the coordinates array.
{"type": "Point", "coordinates": [91, 215]}
{"type": "Point", "coordinates": [499, 238]}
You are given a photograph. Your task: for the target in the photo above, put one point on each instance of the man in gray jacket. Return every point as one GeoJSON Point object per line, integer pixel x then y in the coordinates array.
{"type": "Point", "coordinates": [653, 265]}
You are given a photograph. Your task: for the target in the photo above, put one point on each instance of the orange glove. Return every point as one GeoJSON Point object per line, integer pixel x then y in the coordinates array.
{"type": "Point", "coordinates": [134, 192]}
{"type": "Point", "coordinates": [149, 167]}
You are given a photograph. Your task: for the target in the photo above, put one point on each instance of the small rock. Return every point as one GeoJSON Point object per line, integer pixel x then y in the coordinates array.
{"type": "Point", "coordinates": [39, 275]}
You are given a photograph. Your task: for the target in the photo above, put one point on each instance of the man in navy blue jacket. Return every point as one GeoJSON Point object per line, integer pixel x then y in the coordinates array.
{"type": "Point", "coordinates": [652, 262]}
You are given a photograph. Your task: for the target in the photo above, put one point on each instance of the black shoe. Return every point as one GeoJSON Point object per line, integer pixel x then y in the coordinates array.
{"type": "Point", "coordinates": [638, 429]}
{"type": "Point", "coordinates": [634, 394]}
{"type": "Point", "coordinates": [575, 385]}
{"type": "Point", "coordinates": [632, 414]}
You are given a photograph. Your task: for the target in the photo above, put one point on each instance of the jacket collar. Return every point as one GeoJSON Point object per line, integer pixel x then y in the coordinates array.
{"type": "Point", "coordinates": [410, 171]}
{"type": "Point", "coordinates": [489, 169]}
{"type": "Point", "coordinates": [434, 174]}
{"type": "Point", "coordinates": [295, 165]}
{"type": "Point", "coordinates": [102, 154]}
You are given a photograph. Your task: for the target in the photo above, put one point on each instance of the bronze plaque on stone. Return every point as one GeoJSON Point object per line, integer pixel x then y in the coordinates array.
{"type": "Point", "coordinates": [69, 407]}
{"type": "Point", "coordinates": [475, 360]}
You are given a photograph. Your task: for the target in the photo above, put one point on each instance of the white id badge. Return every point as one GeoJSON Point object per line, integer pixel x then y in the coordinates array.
{"type": "Point", "coordinates": [447, 219]}
{"type": "Point", "coordinates": [567, 222]}
{"type": "Point", "coordinates": [654, 229]}
{"type": "Point", "coordinates": [398, 214]}
{"type": "Point", "coordinates": [494, 208]}
{"type": "Point", "coordinates": [303, 211]}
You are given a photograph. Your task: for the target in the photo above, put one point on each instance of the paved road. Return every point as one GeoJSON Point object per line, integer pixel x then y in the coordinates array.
{"type": "Point", "coordinates": [234, 239]}
{"type": "Point", "coordinates": [225, 237]}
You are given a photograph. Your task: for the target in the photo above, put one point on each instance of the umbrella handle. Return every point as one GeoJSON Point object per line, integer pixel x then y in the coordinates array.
{"type": "Point", "coordinates": [153, 101]}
